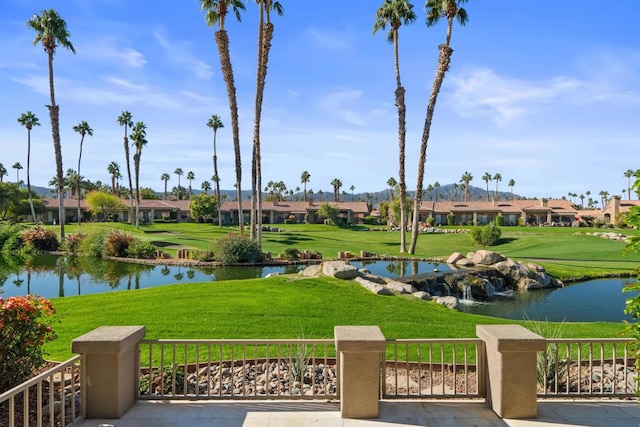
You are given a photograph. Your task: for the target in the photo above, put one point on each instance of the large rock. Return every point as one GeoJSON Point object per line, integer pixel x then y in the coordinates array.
{"type": "Point", "coordinates": [372, 277]}
{"type": "Point", "coordinates": [401, 288]}
{"type": "Point", "coordinates": [449, 302]}
{"type": "Point", "coordinates": [513, 270]}
{"type": "Point", "coordinates": [312, 271]}
{"type": "Point", "coordinates": [526, 284]}
{"type": "Point", "coordinates": [454, 258]}
{"type": "Point", "coordinates": [339, 270]}
{"type": "Point", "coordinates": [376, 288]}
{"type": "Point", "coordinates": [484, 257]}
{"type": "Point", "coordinates": [422, 295]}
{"type": "Point", "coordinates": [540, 274]}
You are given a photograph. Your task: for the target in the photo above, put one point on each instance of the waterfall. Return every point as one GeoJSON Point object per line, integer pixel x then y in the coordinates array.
{"type": "Point", "coordinates": [466, 293]}
{"type": "Point", "coordinates": [447, 289]}
{"type": "Point", "coordinates": [489, 289]}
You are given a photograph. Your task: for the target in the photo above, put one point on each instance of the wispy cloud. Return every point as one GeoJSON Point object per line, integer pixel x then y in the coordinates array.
{"type": "Point", "coordinates": [347, 105]}
{"type": "Point", "coordinates": [180, 54]}
{"type": "Point", "coordinates": [112, 51]}
{"type": "Point", "coordinates": [327, 39]}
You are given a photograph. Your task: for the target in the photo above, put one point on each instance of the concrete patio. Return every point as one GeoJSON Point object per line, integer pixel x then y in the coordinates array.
{"type": "Point", "coordinates": [592, 413]}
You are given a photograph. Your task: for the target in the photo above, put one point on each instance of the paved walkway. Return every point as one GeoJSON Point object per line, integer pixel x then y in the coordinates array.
{"type": "Point", "coordinates": [592, 413]}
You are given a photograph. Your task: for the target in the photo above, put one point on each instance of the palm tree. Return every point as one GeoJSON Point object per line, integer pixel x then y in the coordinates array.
{"type": "Point", "coordinates": [430, 191]}
{"type": "Point", "coordinates": [395, 13]}
{"type": "Point", "coordinates": [114, 170]}
{"type": "Point", "coordinates": [216, 13]}
{"type": "Point", "coordinates": [436, 185]}
{"type": "Point", "coordinates": [353, 187]}
{"type": "Point", "coordinates": [336, 183]}
{"type": "Point", "coordinates": [486, 178]}
{"type": "Point", "coordinates": [466, 179]}
{"type": "Point", "coordinates": [215, 123]}
{"type": "Point", "coordinates": [497, 178]}
{"type": "Point", "coordinates": [391, 182]}
{"type": "Point", "coordinates": [126, 120]}
{"type": "Point", "coordinates": [75, 183]}
{"type": "Point", "coordinates": [28, 120]}
{"type": "Point", "coordinates": [83, 129]}
{"type": "Point", "coordinates": [51, 31]}
{"type": "Point", "coordinates": [454, 190]}
{"type": "Point", "coordinates": [582, 201]}
{"type": "Point", "coordinates": [17, 166]}
{"type": "Point", "coordinates": [628, 174]}
{"type": "Point", "coordinates": [265, 35]}
{"type": "Point", "coordinates": [436, 9]}
{"type": "Point", "coordinates": [190, 176]}
{"type": "Point", "coordinates": [304, 179]}
{"type": "Point", "coordinates": [178, 172]}
{"type": "Point", "coordinates": [3, 172]}
{"type": "Point", "coordinates": [138, 136]}
{"type": "Point", "coordinates": [511, 184]}
{"type": "Point", "coordinates": [165, 177]}
{"type": "Point", "coordinates": [205, 186]}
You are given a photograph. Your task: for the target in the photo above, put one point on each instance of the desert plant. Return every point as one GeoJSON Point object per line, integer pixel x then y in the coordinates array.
{"type": "Point", "coordinates": [550, 368]}
{"type": "Point", "coordinates": [40, 239]}
{"type": "Point", "coordinates": [234, 248]}
{"type": "Point", "coordinates": [117, 243]}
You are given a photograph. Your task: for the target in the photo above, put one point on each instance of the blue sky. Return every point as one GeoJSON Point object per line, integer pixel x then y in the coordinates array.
{"type": "Point", "coordinates": [545, 93]}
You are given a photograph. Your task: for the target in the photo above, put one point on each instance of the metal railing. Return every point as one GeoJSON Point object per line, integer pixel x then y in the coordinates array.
{"type": "Point", "coordinates": [237, 369]}
{"type": "Point", "coordinates": [53, 398]}
{"type": "Point", "coordinates": [587, 368]}
{"type": "Point", "coordinates": [433, 368]}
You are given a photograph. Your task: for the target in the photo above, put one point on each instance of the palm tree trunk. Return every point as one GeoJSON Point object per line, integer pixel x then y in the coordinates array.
{"type": "Point", "coordinates": [79, 159]}
{"type": "Point", "coordinates": [215, 171]}
{"type": "Point", "coordinates": [444, 60]}
{"type": "Point", "coordinates": [55, 132]}
{"type": "Point", "coordinates": [126, 153]}
{"type": "Point", "coordinates": [222, 41]}
{"type": "Point", "coordinates": [402, 131]}
{"type": "Point", "coordinates": [33, 212]}
{"type": "Point", "coordinates": [136, 160]}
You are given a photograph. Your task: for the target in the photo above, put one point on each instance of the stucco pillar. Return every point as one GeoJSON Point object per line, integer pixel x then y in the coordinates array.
{"type": "Point", "coordinates": [109, 362]}
{"type": "Point", "coordinates": [475, 218]}
{"type": "Point", "coordinates": [360, 349]}
{"type": "Point", "coordinates": [510, 363]}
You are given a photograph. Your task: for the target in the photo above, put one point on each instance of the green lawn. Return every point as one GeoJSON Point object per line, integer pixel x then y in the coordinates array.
{"type": "Point", "coordinates": [279, 307]}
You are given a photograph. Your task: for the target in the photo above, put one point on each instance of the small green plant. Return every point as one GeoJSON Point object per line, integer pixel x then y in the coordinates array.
{"type": "Point", "coordinates": [203, 256]}
{"type": "Point", "coordinates": [162, 381]}
{"type": "Point", "coordinates": [93, 245]}
{"type": "Point", "coordinates": [488, 235]}
{"type": "Point", "coordinates": [500, 220]}
{"type": "Point", "coordinates": [520, 221]}
{"type": "Point", "coordinates": [451, 219]}
{"type": "Point", "coordinates": [38, 239]}
{"type": "Point", "coordinates": [291, 254]}
{"type": "Point", "coordinates": [14, 243]}
{"type": "Point", "coordinates": [549, 367]}
{"type": "Point", "coordinates": [24, 329]}
{"type": "Point", "coordinates": [234, 248]}
{"type": "Point", "coordinates": [141, 250]}
{"type": "Point", "coordinates": [431, 221]}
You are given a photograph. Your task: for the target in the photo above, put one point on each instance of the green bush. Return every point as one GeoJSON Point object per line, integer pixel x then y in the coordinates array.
{"type": "Point", "coordinates": [451, 219]}
{"type": "Point", "coordinates": [520, 221]}
{"type": "Point", "coordinates": [233, 249]}
{"type": "Point", "coordinates": [14, 243]}
{"type": "Point", "coordinates": [117, 243]}
{"type": "Point", "coordinates": [141, 250]}
{"type": "Point", "coordinates": [370, 220]}
{"type": "Point", "coordinates": [165, 221]}
{"type": "Point", "coordinates": [489, 235]}
{"type": "Point", "coordinates": [7, 230]}
{"type": "Point", "coordinates": [93, 245]}
{"type": "Point", "coordinates": [40, 239]}
{"type": "Point", "coordinates": [500, 220]}
{"type": "Point", "coordinates": [204, 256]}
{"type": "Point", "coordinates": [431, 221]}
{"type": "Point", "coordinates": [25, 329]}
{"type": "Point", "coordinates": [291, 254]}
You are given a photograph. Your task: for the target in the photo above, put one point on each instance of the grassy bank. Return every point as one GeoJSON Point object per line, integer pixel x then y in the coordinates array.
{"type": "Point", "coordinates": [279, 307]}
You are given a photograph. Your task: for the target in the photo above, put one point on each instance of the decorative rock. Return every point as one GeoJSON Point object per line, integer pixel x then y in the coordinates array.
{"type": "Point", "coordinates": [422, 295]}
{"type": "Point", "coordinates": [401, 288]}
{"type": "Point", "coordinates": [464, 262]}
{"type": "Point", "coordinates": [376, 288]}
{"type": "Point", "coordinates": [454, 258]}
{"type": "Point", "coordinates": [274, 274]}
{"type": "Point", "coordinates": [311, 271]}
{"type": "Point", "coordinates": [484, 257]}
{"type": "Point", "coordinates": [449, 302]}
{"type": "Point", "coordinates": [372, 278]}
{"type": "Point", "coordinates": [339, 270]}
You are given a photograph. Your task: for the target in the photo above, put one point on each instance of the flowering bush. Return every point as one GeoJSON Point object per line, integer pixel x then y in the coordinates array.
{"type": "Point", "coordinates": [24, 329]}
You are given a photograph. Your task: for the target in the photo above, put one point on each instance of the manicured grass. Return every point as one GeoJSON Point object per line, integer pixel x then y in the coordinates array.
{"type": "Point", "coordinates": [279, 307]}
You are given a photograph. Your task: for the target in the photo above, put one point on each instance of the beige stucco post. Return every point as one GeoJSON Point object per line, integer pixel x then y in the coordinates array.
{"type": "Point", "coordinates": [360, 349]}
{"type": "Point", "coordinates": [510, 363]}
{"type": "Point", "coordinates": [109, 359]}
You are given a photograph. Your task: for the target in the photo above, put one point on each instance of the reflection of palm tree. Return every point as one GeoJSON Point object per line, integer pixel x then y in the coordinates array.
{"type": "Point", "coordinates": [165, 271]}
{"type": "Point", "coordinates": [178, 276]}
{"type": "Point", "coordinates": [191, 274]}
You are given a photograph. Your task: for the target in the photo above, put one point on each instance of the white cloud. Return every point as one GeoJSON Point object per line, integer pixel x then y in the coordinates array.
{"type": "Point", "coordinates": [112, 51]}
{"type": "Point", "coordinates": [347, 105]}
{"type": "Point", "coordinates": [180, 54]}
{"type": "Point", "coordinates": [326, 39]}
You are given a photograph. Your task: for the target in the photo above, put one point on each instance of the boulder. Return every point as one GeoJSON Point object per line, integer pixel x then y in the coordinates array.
{"type": "Point", "coordinates": [484, 257]}
{"type": "Point", "coordinates": [401, 288]}
{"type": "Point", "coordinates": [449, 302]}
{"type": "Point", "coordinates": [376, 288]}
{"type": "Point", "coordinates": [339, 270]}
{"type": "Point", "coordinates": [311, 271]}
{"type": "Point", "coordinates": [513, 270]}
{"type": "Point", "coordinates": [454, 257]}
{"type": "Point", "coordinates": [372, 277]}
{"type": "Point", "coordinates": [464, 262]}
{"type": "Point", "coordinates": [422, 295]}
{"type": "Point", "coordinates": [540, 274]}
{"type": "Point", "coordinates": [528, 283]}
{"type": "Point", "coordinates": [274, 274]}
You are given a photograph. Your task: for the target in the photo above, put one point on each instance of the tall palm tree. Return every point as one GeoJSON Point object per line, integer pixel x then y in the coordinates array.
{"type": "Point", "coordinates": [497, 178]}
{"type": "Point", "coordinates": [29, 120]}
{"type": "Point", "coordinates": [511, 184]}
{"type": "Point", "coordinates": [17, 166]}
{"type": "Point", "coordinates": [430, 191]}
{"type": "Point", "coordinates": [391, 182]}
{"type": "Point", "coordinates": [628, 174]}
{"type": "Point", "coordinates": [126, 120]}
{"type": "Point", "coordinates": [486, 178]}
{"type": "Point", "coordinates": [139, 138]}
{"type": "Point", "coordinates": [215, 123]}
{"type": "Point", "coordinates": [582, 201]}
{"type": "Point", "coordinates": [336, 183]}
{"type": "Point", "coordinates": [114, 170]}
{"type": "Point", "coordinates": [3, 172]}
{"type": "Point", "coordinates": [83, 129]}
{"type": "Point", "coordinates": [454, 190]}
{"type": "Point", "coordinates": [265, 35]}
{"type": "Point", "coordinates": [178, 172]}
{"type": "Point", "coordinates": [353, 187]}
{"type": "Point", "coordinates": [216, 13]}
{"type": "Point", "coordinates": [165, 177]}
{"type": "Point", "coordinates": [51, 31]}
{"type": "Point", "coordinates": [466, 179]}
{"type": "Point", "coordinates": [190, 176]}
{"type": "Point", "coordinates": [205, 186]}
{"type": "Point", "coordinates": [436, 9]}
{"type": "Point", "coordinates": [436, 186]}
{"type": "Point", "coordinates": [305, 177]}
{"type": "Point", "coordinates": [395, 13]}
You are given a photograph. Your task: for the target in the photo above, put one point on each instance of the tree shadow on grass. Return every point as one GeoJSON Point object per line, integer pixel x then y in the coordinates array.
{"type": "Point", "coordinates": [291, 240]}
{"type": "Point", "coordinates": [505, 240]}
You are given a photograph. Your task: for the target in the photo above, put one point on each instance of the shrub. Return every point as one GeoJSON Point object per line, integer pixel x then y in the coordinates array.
{"type": "Point", "coordinates": [489, 235]}
{"type": "Point", "coordinates": [40, 239]}
{"type": "Point", "coordinates": [117, 243]}
{"type": "Point", "coordinates": [141, 250]}
{"type": "Point", "coordinates": [14, 243]}
{"type": "Point", "coordinates": [93, 245]}
{"type": "Point", "coordinates": [23, 331]}
{"type": "Point", "coordinates": [370, 220]}
{"type": "Point", "coordinates": [234, 249]}
{"type": "Point", "coordinates": [451, 219]}
{"type": "Point", "coordinates": [204, 256]}
{"type": "Point", "coordinates": [500, 220]}
{"type": "Point", "coordinates": [291, 219]}
{"type": "Point", "coordinates": [291, 254]}
{"type": "Point", "coordinates": [431, 221]}
{"type": "Point", "coordinates": [520, 221]}
{"type": "Point", "coordinates": [72, 243]}
{"type": "Point", "coordinates": [7, 231]}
